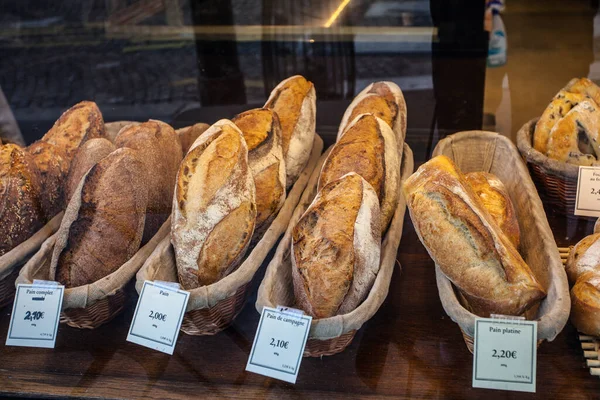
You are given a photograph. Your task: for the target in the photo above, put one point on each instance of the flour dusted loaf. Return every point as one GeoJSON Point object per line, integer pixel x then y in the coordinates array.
{"type": "Point", "coordinates": [368, 147]}
{"type": "Point", "coordinates": [583, 271]}
{"type": "Point", "coordinates": [466, 243]}
{"type": "Point", "coordinates": [294, 101]}
{"type": "Point", "coordinates": [21, 213]}
{"type": "Point", "coordinates": [336, 248]}
{"type": "Point", "coordinates": [214, 208]}
{"type": "Point", "coordinates": [262, 132]}
{"type": "Point", "coordinates": [104, 221]}
{"type": "Point", "coordinates": [496, 200]}
{"type": "Point", "coordinates": [88, 155]}
{"type": "Point", "coordinates": [53, 164]}
{"type": "Point", "coordinates": [384, 100]}
{"type": "Point", "coordinates": [159, 149]}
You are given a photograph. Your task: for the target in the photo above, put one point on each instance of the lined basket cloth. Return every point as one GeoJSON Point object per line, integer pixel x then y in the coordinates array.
{"type": "Point", "coordinates": [213, 307]}
{"type": "Point", "coordinates": [332, 335]}
{"type": "Point", "coordinates": [491, 152]}
{"type": "Point", "coordinates": [555, 180]}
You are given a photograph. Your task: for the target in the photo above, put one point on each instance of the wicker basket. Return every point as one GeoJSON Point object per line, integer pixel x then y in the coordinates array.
{"type": "Point", "coordinates": [213, 308]}
{"type": "Point", "coordinates": [556, 181]}
{"type": "Point", "coordinates": [491, 152]}
{"type": "Point", "coordinates": [97, 314]}
{"type": "Point", "coordinates": [7, 288]}
{"type": "Point", "coordinates": [332, 335]}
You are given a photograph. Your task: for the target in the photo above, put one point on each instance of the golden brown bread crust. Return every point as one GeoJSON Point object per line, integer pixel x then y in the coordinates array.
{"type": "Point", "coordinates": [88, 155]}
{"type": "Point", "coordinates": [335, 248]}
{"type": "Point", "coordinates": [160, 151]}
{"type": "Point", "coordinates": [262, 132]}
{"type": "Point", "coordinates": [78, 124]}
{"type": "Point", "coordinates": [104, 222]}
{"type": "Point", "coordinates": [53, 165]}
{"type": "Point", "coordinates": [585, 87]}
{"type": "Point", "coordinates": [21, 213]}
{"type": "Point", "coordinates": [497, 202]}
{"type": "Point", "coordinates": [368, 148]}
{"type": "Point", "coordinates": [214, 209]}
{"type": "Point", "coordinates": [465, 242]}
{"type": "Point", "coordinates": [188, 136]}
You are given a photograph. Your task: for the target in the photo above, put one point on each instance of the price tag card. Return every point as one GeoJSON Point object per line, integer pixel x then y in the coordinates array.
{"type": "Point", "coordinates": [35, 315]}
{"type": "Point", "coordinates": [158, 316]}
{"type": "Point", "coordinates": [587, 201]}
{"type": "Point", "coordinates": [279, 343]}
{"type": "Point", "coordinates": [505, 354]}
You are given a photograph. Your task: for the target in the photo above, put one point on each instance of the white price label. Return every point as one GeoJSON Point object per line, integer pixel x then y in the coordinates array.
{"type": "Point", "coordinates": [35, 315]}
{"type": "Point", "coordinates": [505, 354]}
{"type": "Point", "coordinates": [279, 343]}
{"type": "Point", "coordinates": [587, 201]}
{"type": "Point", "coordinates": [158, 316]}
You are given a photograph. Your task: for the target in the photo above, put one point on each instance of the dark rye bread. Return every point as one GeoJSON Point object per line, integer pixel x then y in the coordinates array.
{"type": "Point", "coordinates": [336, 248]}
{"type": "Point", "coordinates": [53, 164]}
{"type": "Point", "coordinates": [160, 151]}
{"type": "Point", "coordinates": [21, 213]}
{"type": "Point", "coordinates": [104, 221]}
{"type": "Point", "coordinates": [88, 155]}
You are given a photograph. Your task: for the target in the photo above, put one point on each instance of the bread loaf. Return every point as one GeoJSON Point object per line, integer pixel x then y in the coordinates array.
{"type": "Point", "coordinates": [294, 101]}
{"type": "Point", "coordinates": [584, 86]}
{"type": "Point", "coordinates": [53, 164]}
{"type": "Point", "coordinates": [336, 248]}
{"type": "Point", "coordinates": [384, 100]}
{"type": "Point", "coordinates": [262, 132]}
{"type": "Point", "coordinates": [496, 200]}
{"type": "Point", "coordinates": [583, 271]}
{"type": "Point", "coordinates": [214, 209]}
{"type": "Point", "coordinates": [78, 124]}
{"type": "Point", "coordinates": [465, 242]}
{"type": "Point", "coordinates": [89, 154]}
{"type": "Point", "coordinates": [368, 147]}
{"type": "Point", "coordinates": [188, 136]}
{"type": "Point", "coordinates": [160, 150]}
{"type": "Point", "coordinates": [21, 213]}
{"type": "Point", "coordinates": [104, 221]}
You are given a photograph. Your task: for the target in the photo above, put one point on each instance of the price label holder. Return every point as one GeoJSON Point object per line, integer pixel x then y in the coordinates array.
{"type": "Point", "coordinates": [505, 354]}
{"type": "Point", "coordinates": [587, 200]}
{"type": "Point", "coordinates": [158, 316]}
{"type": "Point", "coordinates": [35, 314]}
{"type": "Point", "coordinates": [279, 343]}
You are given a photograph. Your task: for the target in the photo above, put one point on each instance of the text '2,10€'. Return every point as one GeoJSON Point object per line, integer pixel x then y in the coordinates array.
{"type": "Point", "coordinates": [279, 343]}
{"type": "Point", "coordinates": [158, 316]}
{"type": "Point", "coordinates": [35, 314]}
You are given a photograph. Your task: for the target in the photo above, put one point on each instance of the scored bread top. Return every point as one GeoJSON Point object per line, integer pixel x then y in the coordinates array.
{"type": "Point", "coordinates": [79, 123]}
{"type": "Point", "coordinates": [336, 248]}
{"type": "Point", "coordinates": [367, 147]}
{"type": "Point", "coordinates": [21, 213]}
{"type": "Point", "coordinates": [497, 202]}
{"type": "Point", "coordinates": [584, 86]}
{"type": "Point", "coordinates": [465, 242]}
{"type": "Point", "coordinates": [104, 221]}
{"type": "Point", "coordinates": [214, 209]}
{"type": "Point", "coordinates": [584, 257]}
{"type": "Point", "coordinates": [188, 136]}
{"type": "Point", "coordinates": [53, 164]}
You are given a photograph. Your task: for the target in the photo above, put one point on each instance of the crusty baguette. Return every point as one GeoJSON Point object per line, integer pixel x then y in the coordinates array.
{"type": "Point", "coordinates": [294, 101]}
{"type": "Point", "coordinates": [384, 100]}
{"type": "Point", "coordinates": [21, 213]}
{"type": "Point", "coordinates": [104, 221]}
{"type": "Point", "coordinates": [53, 164]}
{"type": "Point", "coordinates": [78, 124]}
{"type": "Point", "coordinates": [262, 132]}
{"type": "Point", "coordinates": [497, 202]}
{"type": "Point", "coordinates": [214, 209]}
{"type": "Point", "coordinates": [465, 242]}
{"type": "Point", "coordinates": [368, 147]}
{"type": "Point", "coordinates": [336, 248]}
{"type": "Point", "coordinates": [188, 136]}
{"type": "Point", "coordinates": [160, 151]}
{"type": "Point", "coordinates": [89, 154]}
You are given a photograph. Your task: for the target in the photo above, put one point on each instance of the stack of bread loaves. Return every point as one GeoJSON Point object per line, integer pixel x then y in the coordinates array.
{"type": "Point", "coordinates": [470, 229]}
{"type": "Point", "coordinates": [232, 182]}
{"type": "Point", "coordinates": [568, 130]}
{"type": "Point", "coordinates": [336, 243]}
